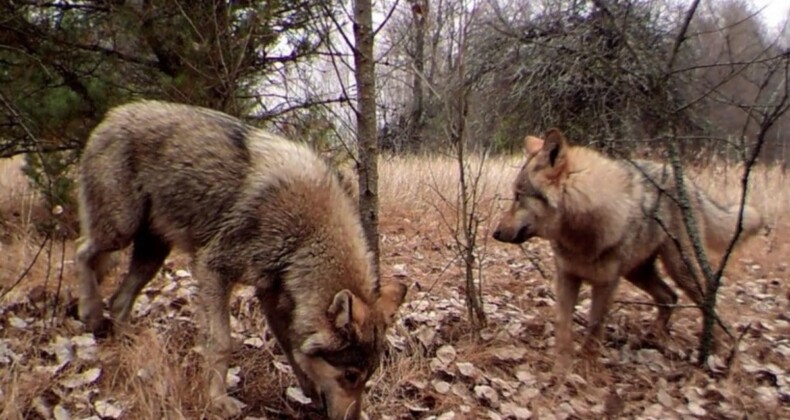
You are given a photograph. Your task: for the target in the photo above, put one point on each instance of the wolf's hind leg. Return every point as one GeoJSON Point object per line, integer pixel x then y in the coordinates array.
{"type": "Point", "coordinates": [148, 255]}
{"type": "Point", "coordinates": [682, 274]}
{"type": "Point", "coordinates": [646, 277]}
{"type": "Point", "coordinates": [691, 285]}
{"type": "Point", "coordinates": [214, 295]}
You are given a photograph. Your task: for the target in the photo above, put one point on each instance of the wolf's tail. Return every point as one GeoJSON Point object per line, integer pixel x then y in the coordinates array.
{"type": "Point", "coordinates": [721, 222]}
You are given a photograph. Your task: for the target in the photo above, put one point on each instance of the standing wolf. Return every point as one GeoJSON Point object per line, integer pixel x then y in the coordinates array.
{"type": "Point", "coordinates": [608, 219]}
{"type": "Point", "coordinates": [250, 208]}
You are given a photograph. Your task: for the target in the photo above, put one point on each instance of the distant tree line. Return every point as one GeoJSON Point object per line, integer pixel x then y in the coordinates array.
{"type": "Point", "coordinates": [597, 69]}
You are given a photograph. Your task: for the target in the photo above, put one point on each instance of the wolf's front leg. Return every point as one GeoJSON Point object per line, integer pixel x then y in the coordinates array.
{"type": "Point", "coordinates": [567, 288]}
{"type": "Point", "coordinates": [601, 297]}
{"type": "Point", "coordinates": [214, 296]}
{"type": "Point", "coordinates": [90, 263]}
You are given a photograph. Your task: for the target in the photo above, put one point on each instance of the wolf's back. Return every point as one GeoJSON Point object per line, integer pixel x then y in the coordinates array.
{"type": "Point", "coordinates": [719, 221]}
{"type": "Point", "coordinates": [188, 166]}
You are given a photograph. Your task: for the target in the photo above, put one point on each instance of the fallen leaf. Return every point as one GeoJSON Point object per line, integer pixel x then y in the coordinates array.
{"type": "Point", "coordinates": [507, 388]}
{"type": "Point", "coordinates": [295, 394]}
{"type": "Point", "coordinates": [232, 377]}
{"type": "Point", "coordinates": [426, 336]}
{"type": "Point", "coordinates": [60, 413]}
{"type": "Point", "coordinates": [525, 377]}
{"type": "Point", "coordinates": [654, 411]}
{"type": "Point", "coordinates": [567, 409]}
{"type": "Point", "coordinates": [283, 367]}
{"type": "Point", "coordinates": [446, 354]}
{"type": "Point", "coordinates": [254, 342]}
{"type": "Point", "coordinates": [81, 379]}
{"type": "Point", "coordinates": [461, 391]}
{"type": "Point", "coordinates": [450, 415]}
{"type": "Point", "coordinates": [493, 415]}
{"type": "Point", "coordinates": [487, 334]}
{"type": "Point", "coordinates": [509, 354]}
{"type": "Point", "coordinates": [417, 408]}
{"type": "Point", "coordinates": [512, 410]}
{"type": "Point", "coordinates": [108, 409]}
{"type": "Point", "coordinates": [664, 398]}
{"type": "Point", "coordinates": [441, 387]}
{"type": "Point", "coordinates": [17, 322]}
{"type": "Point", "coordinates": [696, 409]}
{"type": "Point", "coordinates": [86, 348]}
{"type": "Point", "coordinates": [468, 370]}
{"type": "Point", "coordinates": [767, 396]}
{"type": "Point", "coordinates": [399, 270]}
{"type": "Point", "coordinates": [6, 354]}
{"type": "Point", "coordinates": [62, 348]}
{"type": "Point", "coordinates": [527, 394]}
{"type": "Point", "coordinates": [487, 394]}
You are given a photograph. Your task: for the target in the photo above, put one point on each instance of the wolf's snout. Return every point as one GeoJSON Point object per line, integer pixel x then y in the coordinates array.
{"type": "Point", "coordinates": [509, 236]}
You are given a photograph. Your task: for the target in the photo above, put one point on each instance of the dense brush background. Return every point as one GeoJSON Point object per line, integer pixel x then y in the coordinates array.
{"type": "Point", "coordinates": [615, 75]}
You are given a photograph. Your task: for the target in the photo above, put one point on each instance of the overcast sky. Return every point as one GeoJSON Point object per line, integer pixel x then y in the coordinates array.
{"type": "Point", "coordinates": [775, 13]}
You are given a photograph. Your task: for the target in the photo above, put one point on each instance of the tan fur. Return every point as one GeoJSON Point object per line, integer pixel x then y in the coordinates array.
{"type": "Point", "coordinates": [608, 219]}
{"type": "Point", "coordinates": [251, 208]}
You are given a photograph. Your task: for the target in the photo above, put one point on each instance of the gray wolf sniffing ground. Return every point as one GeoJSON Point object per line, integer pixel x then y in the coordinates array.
{"type": "Point", "coordinates": [250, 208]}
{"type": "Point", "coordinates": [608, 219]}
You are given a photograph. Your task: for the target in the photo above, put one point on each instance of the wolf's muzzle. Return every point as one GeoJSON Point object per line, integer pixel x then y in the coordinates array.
{"type": "Point", "coordinates": [521, 236]}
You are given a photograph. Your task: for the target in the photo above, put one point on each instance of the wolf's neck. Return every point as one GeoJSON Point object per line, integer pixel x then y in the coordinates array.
{"type": "Point", "coordinates": [595, 204]}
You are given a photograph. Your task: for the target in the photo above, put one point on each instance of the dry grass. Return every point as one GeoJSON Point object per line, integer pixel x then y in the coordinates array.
{"type": "Point", "coordinates": [155, 369]}
{"type": "Point", "coordinates": [17, 201]}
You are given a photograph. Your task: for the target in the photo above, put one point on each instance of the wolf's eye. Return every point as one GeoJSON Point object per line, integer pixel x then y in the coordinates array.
{"type": "Point", "coordinates": [517, 197]}
{"type": "Point", "coordinates": [351, 376]}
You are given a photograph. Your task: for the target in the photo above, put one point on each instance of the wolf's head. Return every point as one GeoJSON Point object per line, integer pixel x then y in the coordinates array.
{"type": "Point", "coordinates": [334, 363]}
{"type": "Point", "coordinates": [536, 190]}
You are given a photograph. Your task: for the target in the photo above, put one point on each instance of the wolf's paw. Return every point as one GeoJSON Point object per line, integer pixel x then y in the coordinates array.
{"type": "Point", "coordinates": [100, 326]}
{"type": "Point", "coordinates": [562, 365]}
{"type": "Point", "coordinates": [228, 406]}
{"type": "Point", "coordinates": [90, 313]}
{"type": "Point", "coordinates": [591, 348]}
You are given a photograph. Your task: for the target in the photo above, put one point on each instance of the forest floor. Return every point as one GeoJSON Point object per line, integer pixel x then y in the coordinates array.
{"type": "Point", "coordinates": [435, 367]}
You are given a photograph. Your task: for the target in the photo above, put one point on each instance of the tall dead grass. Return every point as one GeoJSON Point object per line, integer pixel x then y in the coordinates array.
{"type": "Point", "coordinates": [410, 184]}
{"type": "Point", "coordinates": [17, 200]}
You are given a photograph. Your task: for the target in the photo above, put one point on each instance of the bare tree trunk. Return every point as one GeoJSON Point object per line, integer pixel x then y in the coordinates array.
{"type": "Point", "coordinates": [367, 140]}
{"type": "Point", "coordinates": [419, 11]}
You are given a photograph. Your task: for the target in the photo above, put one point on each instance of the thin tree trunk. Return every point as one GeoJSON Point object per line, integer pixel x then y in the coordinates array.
{"type": "Point", "coordinates": [367, 140]}
{"type": "Point", "coordinates": [419, 12]}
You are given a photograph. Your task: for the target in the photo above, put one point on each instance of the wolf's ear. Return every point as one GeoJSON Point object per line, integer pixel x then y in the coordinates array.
{"type": "Point", "coordinates": [555, 145]}
{"type": "Point", "coordinates": [347, 310]}
{"type": "Point", "coordinates": [341, 309]}
{"type": "Point", "coordinates": [532, 145]}
{"type": "Point", "coordinates": [391, 296]}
